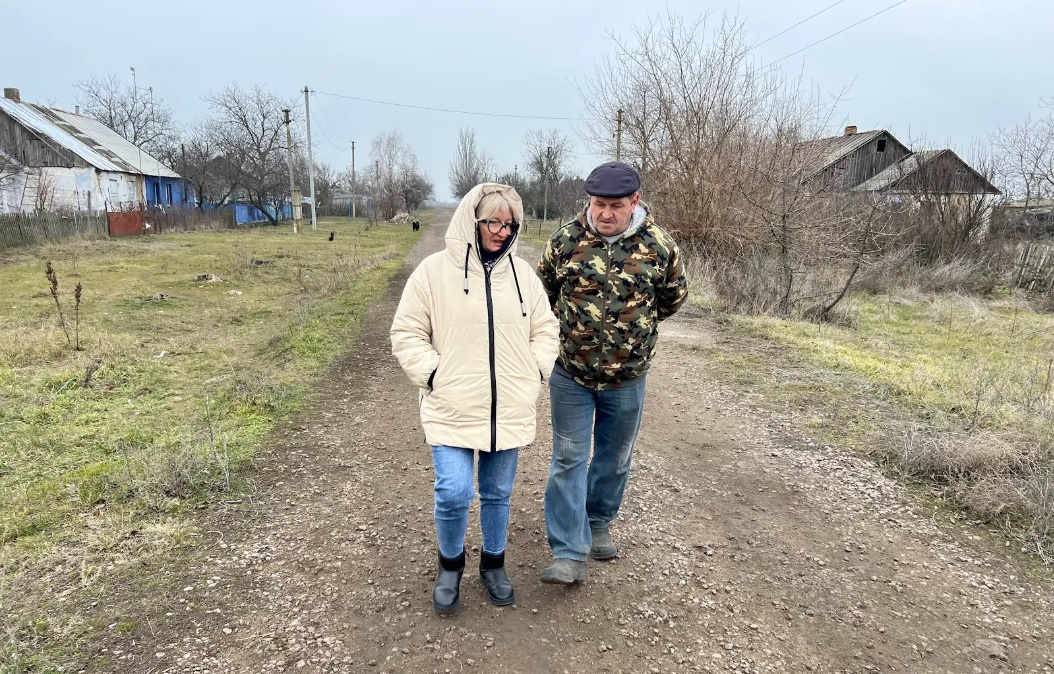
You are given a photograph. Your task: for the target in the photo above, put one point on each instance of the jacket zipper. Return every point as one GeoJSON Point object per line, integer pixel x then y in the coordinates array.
{"type": "Point", "coordinates": [493, 375]}
{"type": "Point", "coordinates": [604, 316]}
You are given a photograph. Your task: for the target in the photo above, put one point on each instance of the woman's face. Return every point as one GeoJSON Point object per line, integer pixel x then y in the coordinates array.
{"type": "Point", "coordinates": [494, 230]}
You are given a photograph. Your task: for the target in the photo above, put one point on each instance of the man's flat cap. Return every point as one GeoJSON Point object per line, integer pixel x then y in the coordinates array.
{"type": "Point", "coordinates": [614, 179]}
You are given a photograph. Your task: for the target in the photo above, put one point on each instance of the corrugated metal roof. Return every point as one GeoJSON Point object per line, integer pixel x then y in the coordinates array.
{"type": "Point", "coordinates": [108, 142]}
{"type": "Point", "coordinates": [89, 139]}
{"type": "Point", "coordinates": [33, 119]}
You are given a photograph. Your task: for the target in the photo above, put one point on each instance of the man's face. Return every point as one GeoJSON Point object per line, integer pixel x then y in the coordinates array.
{"type": "Point", "coordinates": [612, 216]}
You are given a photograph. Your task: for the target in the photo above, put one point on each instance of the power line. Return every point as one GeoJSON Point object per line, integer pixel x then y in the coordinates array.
{"type": "Point", "coordinates": [325, 118]}
{"type": "Point", "coordinates": [809, 18]}
{"type": "Point", "coordinates": [896, 4]}
{"type": "Point", "coordinates": [459, 112]}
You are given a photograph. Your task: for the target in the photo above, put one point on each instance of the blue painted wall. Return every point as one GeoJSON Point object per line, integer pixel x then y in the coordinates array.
{"type": "Point", "coordinates": [247, 213]}
{"type": "Point", "coordinates": [167, 191]}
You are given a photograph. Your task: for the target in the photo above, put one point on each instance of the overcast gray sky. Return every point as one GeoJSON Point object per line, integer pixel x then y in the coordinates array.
{"type": "Point", "coordinates": [951, 71]}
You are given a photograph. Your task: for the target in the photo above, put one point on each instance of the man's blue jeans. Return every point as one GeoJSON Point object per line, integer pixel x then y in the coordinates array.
{"type": "Point", "coordinates": [454, 494]}
{"type": "Point", "coordinates": [583, 493]}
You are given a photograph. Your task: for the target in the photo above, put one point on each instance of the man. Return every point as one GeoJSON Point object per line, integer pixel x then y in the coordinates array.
{"type": "Point", "coordinates": [611, 276]}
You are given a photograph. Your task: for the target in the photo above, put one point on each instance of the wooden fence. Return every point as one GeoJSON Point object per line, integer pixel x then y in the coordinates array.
{"type": "Point", "coordinates": [22, 229]}
{"type": "Point", "coordinates": [186, 219]}
{"type": "Point", "coordinates": [1035, 267]}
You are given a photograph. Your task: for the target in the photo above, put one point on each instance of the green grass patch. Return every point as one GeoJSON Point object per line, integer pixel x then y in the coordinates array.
{"type": "Point", "coordinates": [178, 378]}
{"type": "Point", "coordinates": [979, 364]}
{"type": "Point", "coordinates": [537, 232]}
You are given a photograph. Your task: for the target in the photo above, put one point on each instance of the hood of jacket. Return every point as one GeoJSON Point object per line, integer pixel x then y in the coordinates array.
{"type": "Point", "coordinates": [461, 235]}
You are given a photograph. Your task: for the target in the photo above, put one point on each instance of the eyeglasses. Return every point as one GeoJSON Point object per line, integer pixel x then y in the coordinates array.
{"type": "Point", "coordinates": [495, 226]}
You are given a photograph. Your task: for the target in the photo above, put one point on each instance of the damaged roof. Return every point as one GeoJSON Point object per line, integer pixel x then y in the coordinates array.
{"type": "Point", "coordinates": [911, 164]}
{"type": "Point", "coordinates": [89, 139]}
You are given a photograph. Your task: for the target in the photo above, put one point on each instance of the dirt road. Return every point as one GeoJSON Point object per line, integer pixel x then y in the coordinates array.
{"type": "Point", "coordinates": [746, 548]}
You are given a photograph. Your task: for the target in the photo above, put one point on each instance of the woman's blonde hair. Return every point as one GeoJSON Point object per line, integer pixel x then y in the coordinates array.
{"type": "Point", "coordinates": [495, 202]}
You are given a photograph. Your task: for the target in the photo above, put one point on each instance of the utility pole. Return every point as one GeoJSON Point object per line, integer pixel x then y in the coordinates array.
{"type": "Point", "coordinates": [353, 179]}
{"type": "Point", "coordinates": [618, 136]}
{"type": "Point", "coordinates": [545, 179]}
{"type": "Point", "coordinates": [294, 191]}
{"type": "Point", "coordinates": [183, 168]}
{"type": "Point", "coordinates": [139, 143]}
{"type": "Point", "coordinates": [310, 160]}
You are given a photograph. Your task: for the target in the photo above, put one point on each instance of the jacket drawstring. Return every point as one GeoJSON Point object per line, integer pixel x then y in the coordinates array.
{"type": "Point", "coordinates": [516, 280]}
{"type": "Point", "coordinates": [467, 251]}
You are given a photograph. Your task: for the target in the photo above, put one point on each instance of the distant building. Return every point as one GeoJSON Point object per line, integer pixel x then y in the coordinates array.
{"type": "Point", "coordinates": [1032, 216]}
{"type": "Point", "coordinates": [55, 160]}
{"type": "Point", "coordinates": [875, 161]}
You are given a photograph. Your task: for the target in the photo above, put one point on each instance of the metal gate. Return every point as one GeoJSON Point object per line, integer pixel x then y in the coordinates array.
{"type": "Point", "coordinates": [125, 223]}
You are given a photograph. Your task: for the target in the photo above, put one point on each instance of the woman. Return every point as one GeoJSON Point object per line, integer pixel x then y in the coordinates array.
{"type": "Point", "coordinates": [474, 331]}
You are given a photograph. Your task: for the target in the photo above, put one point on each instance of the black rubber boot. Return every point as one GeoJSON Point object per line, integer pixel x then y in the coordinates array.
{"type": "Point", "coordinates": [448, 583]}
{"type": "Point", "coordinates": [492, 571]}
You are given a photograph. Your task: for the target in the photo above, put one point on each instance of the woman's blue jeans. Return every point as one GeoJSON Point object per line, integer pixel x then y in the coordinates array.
{"type": "Point", "coordinates": [454, 494]}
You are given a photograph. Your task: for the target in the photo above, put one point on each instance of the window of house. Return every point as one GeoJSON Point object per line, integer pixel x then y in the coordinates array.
{"type": "Point", "coordinates": [168, 189]}
{"type": "Point", "coordinates": [882, 145]}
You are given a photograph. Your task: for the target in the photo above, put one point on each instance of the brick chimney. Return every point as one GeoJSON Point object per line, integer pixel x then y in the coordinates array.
{"type": "Point", "coordinates": [850, 130]}
{"type": "Point", "coordinates": [12, 94]}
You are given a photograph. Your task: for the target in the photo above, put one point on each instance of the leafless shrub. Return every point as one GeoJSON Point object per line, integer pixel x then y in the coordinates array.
{"type": "Point", "coordinates": [948, 457]}
{"type": "Point", "coordinates": [901, 270]}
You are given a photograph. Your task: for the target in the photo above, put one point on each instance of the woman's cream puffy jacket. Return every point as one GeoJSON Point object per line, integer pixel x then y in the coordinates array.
{"type": "Point", "coordinates": [477, 341]}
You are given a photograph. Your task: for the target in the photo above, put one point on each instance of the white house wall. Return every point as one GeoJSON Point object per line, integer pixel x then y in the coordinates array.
{"type": "Point", "coordinates": [74, 189]}
{"type": "Point", "coordinates": [122, 191]}
{"type": "Point", "coordinates": [12, 190]}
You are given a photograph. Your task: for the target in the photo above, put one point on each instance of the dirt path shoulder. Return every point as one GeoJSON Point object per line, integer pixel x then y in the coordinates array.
{"type": "Point", "coordinates": [746, 548]}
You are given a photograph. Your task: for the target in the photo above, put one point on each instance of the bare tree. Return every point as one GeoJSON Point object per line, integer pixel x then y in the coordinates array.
{"type": "Point", "coordinates": [547, 152]}
{"type": "Point", "coordinates": [722, 147]}
{"type": "Point", "coordinates": [396, 181]}
{"type": "Point", "coordinates": [785, 214]}
{"type": "Point", "coordinates": [251, 134]}
{"type": "Point", "coordinates": [548, 155]}
{"type": "Point", "coordinates": [202, 162]}
{"type": "Point", "coordinates": [1026, 153]}
{"type": "Point", "coordinates": [386, 153]}
{"type": "Point", "coordinates": [470, 166]}
{"type": "Point", "coordinates": [417, 189]}
{"type": "Point", "coordinates": [326, 182]}
{"type": "Point", "coordinates": [692, 99]}
{"type": "Point", "coordinates": [135, 114]}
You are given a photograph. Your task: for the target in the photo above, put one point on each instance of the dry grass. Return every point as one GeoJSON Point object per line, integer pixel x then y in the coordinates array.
{"type": "Point", "coordinates": [103, 450]}
{"type": "Point", "coordinates": [973, 379]}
